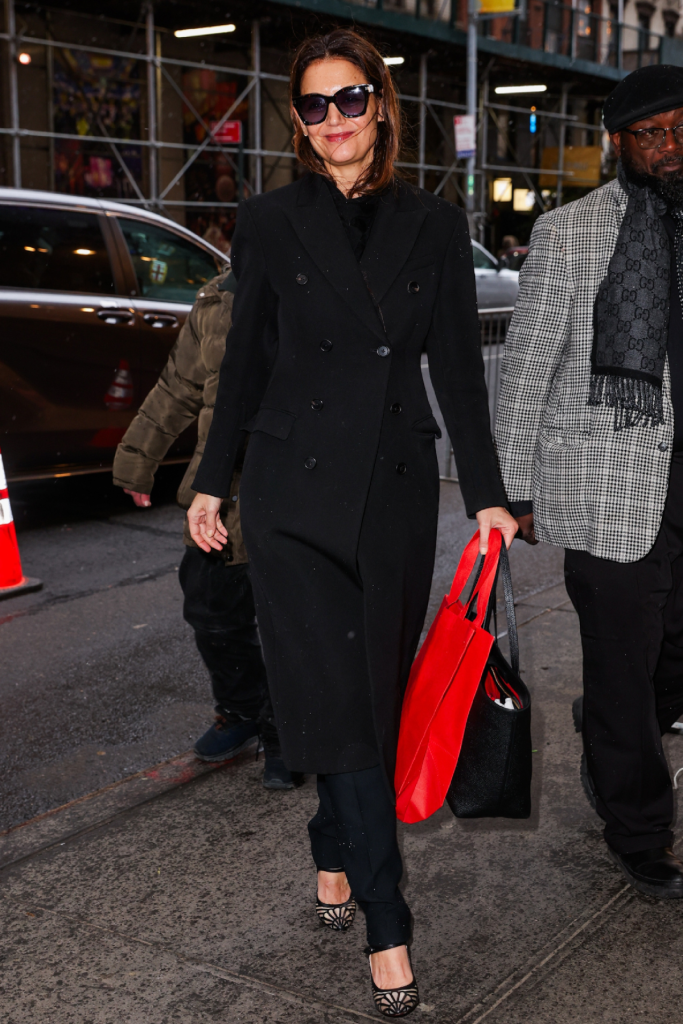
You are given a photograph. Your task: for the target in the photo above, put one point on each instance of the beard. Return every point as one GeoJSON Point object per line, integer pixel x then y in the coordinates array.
{"type": "Point", "coordinates": [669, 187]}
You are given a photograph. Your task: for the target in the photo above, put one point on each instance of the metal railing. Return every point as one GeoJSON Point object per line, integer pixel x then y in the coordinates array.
{"type": "Point", "coordinates": [493, 324]}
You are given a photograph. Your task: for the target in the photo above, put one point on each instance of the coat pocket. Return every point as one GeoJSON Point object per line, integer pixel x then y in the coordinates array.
{"type": "Point", "coordinates": [419, 263]}
{"type": "Point", "coordinates": [272, 421]}
{"type": "Point", "coordinates": [426, 426]}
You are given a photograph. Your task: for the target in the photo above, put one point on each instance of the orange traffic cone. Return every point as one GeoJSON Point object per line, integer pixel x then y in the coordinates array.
{"type": "Point", "coordinates": [12, 579]}
{"type": "Point", "coordinates": [120, 393]}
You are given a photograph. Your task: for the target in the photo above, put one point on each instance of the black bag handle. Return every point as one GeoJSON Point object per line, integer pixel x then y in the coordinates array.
{"type": "Point", "coordinates": [504, 568]}
{"type": "Point", "coordinates": [504, 571]}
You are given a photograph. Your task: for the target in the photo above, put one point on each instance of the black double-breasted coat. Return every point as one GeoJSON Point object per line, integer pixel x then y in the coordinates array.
{"type": "Point", "coordinates": [340, 486]}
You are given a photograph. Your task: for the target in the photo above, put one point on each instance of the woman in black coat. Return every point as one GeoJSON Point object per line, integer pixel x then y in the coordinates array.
{"type": "Point", "coordinates": [344, 279]}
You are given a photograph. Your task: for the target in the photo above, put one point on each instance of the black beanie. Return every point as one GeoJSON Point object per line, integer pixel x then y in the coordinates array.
{"type": "Point", "coordinates": [644, 93]}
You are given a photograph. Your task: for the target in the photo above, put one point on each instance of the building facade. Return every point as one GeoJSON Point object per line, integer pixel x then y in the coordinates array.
{"type": "Point", "coordinates": [117, 104]}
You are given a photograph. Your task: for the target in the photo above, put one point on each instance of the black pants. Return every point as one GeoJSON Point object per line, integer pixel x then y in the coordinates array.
{"type": "Point", "coordinates": [631, 619]}
{"type": "Point", "coordinates": [355, 829]}
{"type": "Point", "coordinates": [219, 605]}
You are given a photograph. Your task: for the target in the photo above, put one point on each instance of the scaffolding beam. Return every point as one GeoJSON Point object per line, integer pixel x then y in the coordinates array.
{"type": "Point", "coordinates": [13, 92]}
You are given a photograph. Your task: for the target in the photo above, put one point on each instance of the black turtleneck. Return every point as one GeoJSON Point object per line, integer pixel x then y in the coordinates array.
{"type": "Point", "coordinates": [674, 345]}
{"type": "Point", "coordinates": [357, 216]}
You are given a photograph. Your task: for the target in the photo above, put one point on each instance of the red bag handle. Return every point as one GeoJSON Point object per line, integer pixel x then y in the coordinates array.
{"type": "Point", "coordinates": [484, 585]}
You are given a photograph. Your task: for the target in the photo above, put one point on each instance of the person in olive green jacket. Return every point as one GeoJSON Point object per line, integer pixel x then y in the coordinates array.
{"type": "Point", "coordinates": [218, 599]}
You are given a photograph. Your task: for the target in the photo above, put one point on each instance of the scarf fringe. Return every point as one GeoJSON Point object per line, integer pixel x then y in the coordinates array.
{"type": "Point", "coordinates": [632, 400]}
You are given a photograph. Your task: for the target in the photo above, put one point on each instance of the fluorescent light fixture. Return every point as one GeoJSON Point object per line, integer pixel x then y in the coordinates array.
{"type": "Point", "coordinates": [502, 190]}
{"type": "Point", "coordinates": [394, 60]}
{"type": "Point", "coordinates": [210, 30]}
{"type": "Point", "coordinates": [511, 90]}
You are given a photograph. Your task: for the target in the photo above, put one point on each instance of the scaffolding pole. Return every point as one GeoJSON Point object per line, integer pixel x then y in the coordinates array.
{"type": "Point", "coordinates": [472, 7]}
{"type": "Point", "coordinates": [258, 141]}
{"type": "Point", "coordinates": [152, 106]}
{"type": "Point", "coordinates": [560, 147]}
{"type": "Point", "coordinates": [13, 92]}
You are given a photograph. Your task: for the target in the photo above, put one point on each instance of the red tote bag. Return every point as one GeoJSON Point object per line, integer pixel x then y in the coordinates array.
{"type": "Point", "coordinates": [442, 686]}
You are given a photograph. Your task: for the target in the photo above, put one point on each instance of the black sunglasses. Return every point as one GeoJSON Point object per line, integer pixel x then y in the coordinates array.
{"type": "Point", "coordinates": [351, 102]}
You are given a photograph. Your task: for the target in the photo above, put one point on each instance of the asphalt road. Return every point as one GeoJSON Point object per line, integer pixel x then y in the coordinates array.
{"type": "Point", "coordinates": [99, 675]}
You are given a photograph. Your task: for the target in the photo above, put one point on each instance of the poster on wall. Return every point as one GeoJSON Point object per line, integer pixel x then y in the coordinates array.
{"type": "Point", "coordinates": [99, 95]}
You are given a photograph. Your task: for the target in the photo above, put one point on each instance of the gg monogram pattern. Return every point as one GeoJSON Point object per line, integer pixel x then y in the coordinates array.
{"type": "Point", "coordinates": [632, 305]}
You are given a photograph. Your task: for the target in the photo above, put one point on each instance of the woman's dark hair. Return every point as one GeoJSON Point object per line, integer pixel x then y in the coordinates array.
{"type": "Point", "coordinates": [343, 44]}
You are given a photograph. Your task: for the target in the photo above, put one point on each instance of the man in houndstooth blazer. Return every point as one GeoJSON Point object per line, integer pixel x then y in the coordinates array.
{"type": "Point", "coordinates": [592, 490]}
{"type": "Point", "coordinates": [611, 495]}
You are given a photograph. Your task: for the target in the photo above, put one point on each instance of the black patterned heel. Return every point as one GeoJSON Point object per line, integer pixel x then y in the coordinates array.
{"type": "Point", "coordinates": [393, 1002]}
{"type": "Point", "coordinates": [337, 916]}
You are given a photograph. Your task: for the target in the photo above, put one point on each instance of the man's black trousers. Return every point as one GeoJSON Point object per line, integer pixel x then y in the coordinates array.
{"type": "Point", "coordinates": [631, 619]}
{"type": "Point", "coordinates": [219, 605]}
{"type": "Point", "coordinates": [355, 829]}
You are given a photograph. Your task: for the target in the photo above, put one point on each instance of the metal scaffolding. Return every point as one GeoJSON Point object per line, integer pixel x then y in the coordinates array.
{"type": "Point", "coordinates": [431, 111]}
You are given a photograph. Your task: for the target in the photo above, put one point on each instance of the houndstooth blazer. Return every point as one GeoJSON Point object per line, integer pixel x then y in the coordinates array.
{"type": "Point", "coordinates": [592, 489]}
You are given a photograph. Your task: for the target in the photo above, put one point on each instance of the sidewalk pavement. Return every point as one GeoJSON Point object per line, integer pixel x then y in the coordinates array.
{"type": "Point", "coordinates": [187, 895]}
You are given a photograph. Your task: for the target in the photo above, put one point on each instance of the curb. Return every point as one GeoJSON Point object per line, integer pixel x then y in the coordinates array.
{"type": "Point", "coordinates": [55, 827]}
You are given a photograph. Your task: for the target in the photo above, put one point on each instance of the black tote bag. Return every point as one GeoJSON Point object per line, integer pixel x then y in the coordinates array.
{"type": "Point", "coordinates": [492, 778]}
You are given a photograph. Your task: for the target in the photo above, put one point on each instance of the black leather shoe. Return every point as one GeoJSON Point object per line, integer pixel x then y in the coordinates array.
{"type": "Point", "coordinates": [657, 872]}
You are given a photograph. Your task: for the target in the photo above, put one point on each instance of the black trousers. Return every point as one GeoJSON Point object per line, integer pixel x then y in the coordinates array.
{"type": "Point", "coordinates": [631, 619]}
{"type": "Point", "coordinates": [219, 605]}
{"type": "Point", "coordinates": [355, 829]}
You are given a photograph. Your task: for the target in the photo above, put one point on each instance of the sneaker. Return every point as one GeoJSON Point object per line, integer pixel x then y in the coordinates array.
{"type": "Point", "coordinates": [277, 776]}
{"type": "Point", "coordinates": [225, 740]}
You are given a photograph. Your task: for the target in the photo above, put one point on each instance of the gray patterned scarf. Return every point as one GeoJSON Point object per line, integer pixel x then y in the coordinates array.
{"type": "Point", "coordinates": [631, 314]}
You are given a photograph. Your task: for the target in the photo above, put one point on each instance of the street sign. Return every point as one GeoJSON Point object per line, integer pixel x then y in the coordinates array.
{"type": "Point", "coordinates": [465, 136]}
{"type": "Point", "coordinates": [229, 132]}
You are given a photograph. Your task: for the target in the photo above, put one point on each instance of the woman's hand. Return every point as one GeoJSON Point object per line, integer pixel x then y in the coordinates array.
{"type": "Point", "coordinates": [206, 528]}
{"type": "Point", "coordinates": [495, 518]}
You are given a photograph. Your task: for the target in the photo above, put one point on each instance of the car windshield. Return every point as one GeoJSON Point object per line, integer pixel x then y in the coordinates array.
{"type": "Point", "coordinates": [167, 265]}
{"type": "Point", "coordinates": [482, 260]}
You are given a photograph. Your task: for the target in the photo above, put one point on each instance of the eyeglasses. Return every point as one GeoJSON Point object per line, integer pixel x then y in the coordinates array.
{"type": "Point", "coordinates": [652, 138]}
{"type": "Point", "coordinates": [351, 102]}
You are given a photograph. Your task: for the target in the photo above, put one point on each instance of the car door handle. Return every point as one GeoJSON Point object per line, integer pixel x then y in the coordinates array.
{"type": "Point", "coordinates": [160, 319]}
{"type": "Point", "coordinates": [115, 316]}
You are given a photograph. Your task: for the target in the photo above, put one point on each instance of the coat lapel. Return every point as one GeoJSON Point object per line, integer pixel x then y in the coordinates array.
{"type": "Point", "coordinates": [394, 233]}
{"type": "Point", "coordinates": [317, 224]}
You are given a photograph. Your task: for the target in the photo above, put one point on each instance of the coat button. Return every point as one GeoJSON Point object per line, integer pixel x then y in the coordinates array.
{"type": "Point", "coordinates": [301, 279]}
{"type": "Point", "coordinates": [325, 345]}
{"type": "Point", "coordinates": [317, 403]}
{"type": "Point", "coordinates": [234, 498]}
{"type": "Point", "coordinates": [663, 446]}
{"type": "Point", "coordinates": [310, 463]}
{"type": "Point", "coordinates": [413, 287]}
{"type": "Point", "coordinates": [401, 468]}
{"type": "Point", "coordinates": [383, 351]}
{"type": "Point", "coordinates": [228, 558]}
{"type": "Point", "coordinates": [395, 408]}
